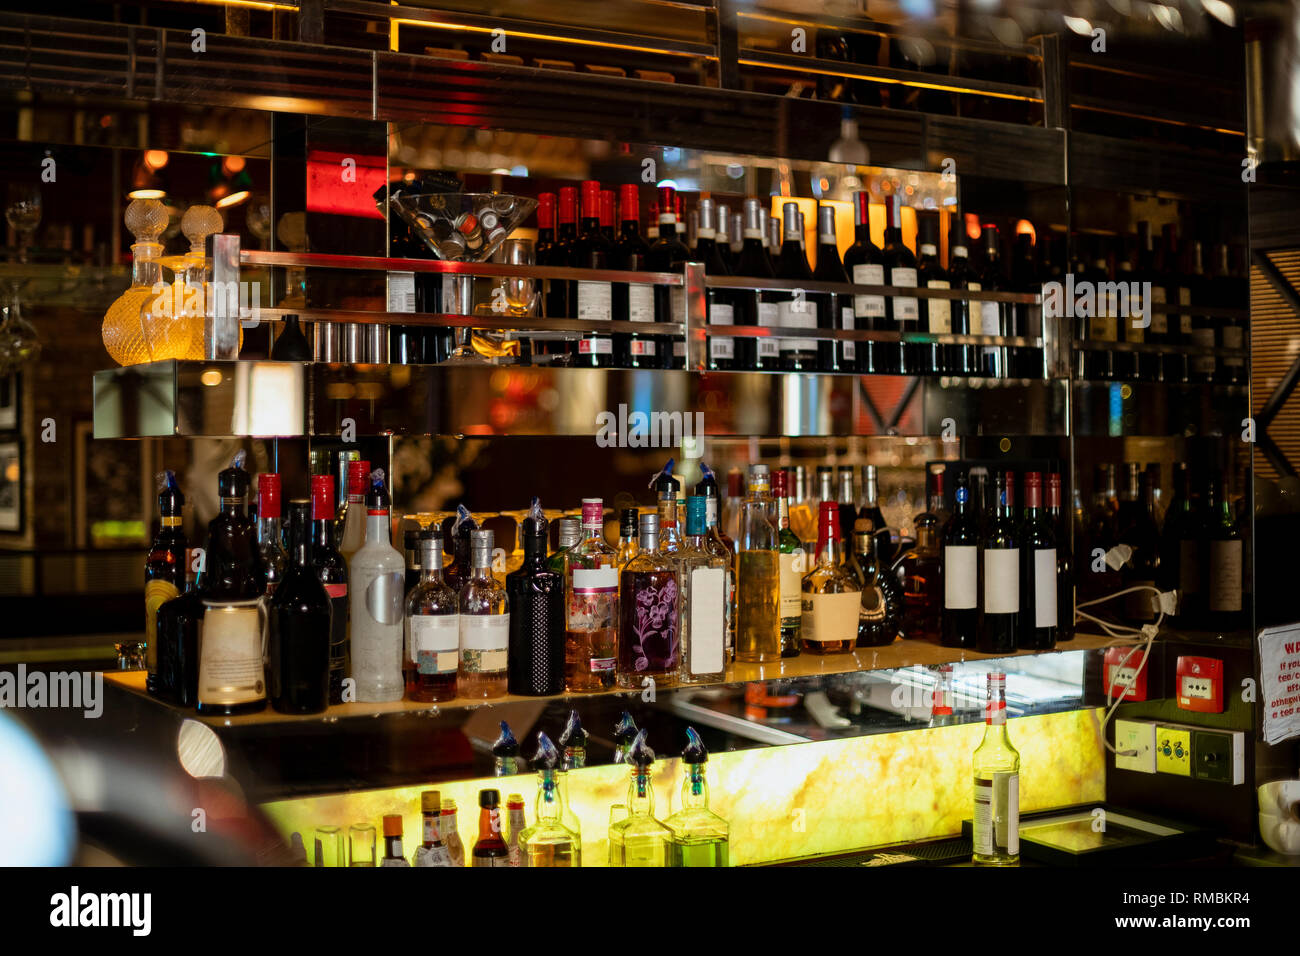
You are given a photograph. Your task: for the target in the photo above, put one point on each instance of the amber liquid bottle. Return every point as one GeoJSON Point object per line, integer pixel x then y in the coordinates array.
{"type": "Point", "coordinates": [490, 848]}
{"type": "Point", "coordinates": [591, 593]}
{"type": "Point", "coordinates": [831, 597]}
{"type": "Point", "coordinates": [432, 628]}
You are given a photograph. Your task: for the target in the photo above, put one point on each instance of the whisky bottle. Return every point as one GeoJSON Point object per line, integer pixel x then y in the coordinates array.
{"type": "Point", "coordinates": [996, 767]}
{"type": "Point", "coordinates": [649, 647]}
{"type": "Point", "coordinates": [377, 590]}
{"type": "Point", "coordinates": [624, 736]}
{"type": "Point", "coordinates": [490, 847]}
{"type": "Point", "coordinates": [758, 576]}
{"type": "Point", "coordinates": [432, 852]}
{"type": "Point", "coordinates": [702, 619]}
{"type": "Point", "coordinates": [591, 636]}
{"type": "Point", "coordinates": [831, 597]}
{"type": "Point", "coordinates": [393, 841]}
{"type": "Point", "coordinates": [484, 625]}
{"type": "Point", "coordinates": [164, 576]}
{"type": "Point", "coordinates": [432, 627]}
{"type": "Point", "coordinates": [548, 842]}
{"type": "Point", "coordinates": [700, 836]}
{"type": "Point", "coordinates": [793, 564]}
{"type": "Point", "coordinates": [640, 839]}
{"type": "Point", "coordinates": [505, 753]}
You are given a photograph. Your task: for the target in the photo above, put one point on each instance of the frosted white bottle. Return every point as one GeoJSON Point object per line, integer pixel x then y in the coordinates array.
{"type": "Point", "coordinates": [377, 576]}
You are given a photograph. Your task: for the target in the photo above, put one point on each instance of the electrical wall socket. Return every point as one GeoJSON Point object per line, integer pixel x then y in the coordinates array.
{"type": "Point", "coordinates": [1219, 755]}
{"type": "Point", "coordinates": [1174, 750]}
{"type": "Point", "coordinates": [1138, 736]}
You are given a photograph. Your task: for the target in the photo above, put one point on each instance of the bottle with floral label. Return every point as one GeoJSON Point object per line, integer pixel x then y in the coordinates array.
{"type": "Point", "coordinates": [649, 646]}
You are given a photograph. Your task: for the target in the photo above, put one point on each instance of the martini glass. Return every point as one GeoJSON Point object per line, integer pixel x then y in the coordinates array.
{"type": "Point", "coordinates": [464, 227]}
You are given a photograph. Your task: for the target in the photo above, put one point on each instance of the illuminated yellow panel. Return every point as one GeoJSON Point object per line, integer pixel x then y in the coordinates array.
{"type": "Point", "coordinates": [783, 802]}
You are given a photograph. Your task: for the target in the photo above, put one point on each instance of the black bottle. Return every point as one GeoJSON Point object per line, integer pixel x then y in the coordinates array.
{"type": "Point", "coordinates": [633, 302]}
{"type": "Point", "coordinates": [592, 301]}
{"type": "Point", "coordinates": [795, 309]}
{"type": "Point", "coordinates": [932, 357]}
{"type": "Point", "coordinates": [298, 645]}
{"type": "Point", "coordinates": [880, 617]}
{"type": "Point", "coordinates": [537, 617]}
{"type": "Point", "coordinates": [291, 345]}
{"type": "Point", "coordinates": [962, 360]}
{"type": "Point", "coordinates": [164, 577]}
{"type": "Point", "coordinates": [753, 263]}
{"type": "Point", "coordinates": [177, 632]}
{"type": "Point", "coordinates": [833, 311]}
{"type": "Point", "coordinates": [864, 264]}
{"type": "Point", "coordinates": [902, 313]}
{"type": "Point", "coordinates": [667, 254]}
{"type": "Point", "coordinates": [332, 572]}
{"type": "Point", "coordinates": [1000, 570]}
{"type": "Point", "coordinates": [959, 619]}
{"type": "Point", "coordinates": [721, 349]}
{"type": "Point", "coordinates": [994, 317]}
{"type": "Point", "coordinates": [1038, 571]}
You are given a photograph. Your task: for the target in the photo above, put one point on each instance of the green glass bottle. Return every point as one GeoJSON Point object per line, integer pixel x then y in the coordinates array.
{"type": "Point", "coordinates": [639, 839]}
{"type": "Point", "coordinates": [793, 564]}
{"type": "Point", "coordinates": [700, 836]}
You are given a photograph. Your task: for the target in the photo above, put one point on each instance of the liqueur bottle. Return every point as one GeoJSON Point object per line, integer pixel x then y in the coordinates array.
{"type": "Point", "coordinates": [1000, 557]}
{"type": "Point", "coordinates": [393, 841]}
{"type": "Point", "coordinates": [722, 546]}
{"type": "Point", "coordinates": [996, 766]}
{"type": "Point", "coordinates": [700, 836]}
{"type": "Point", "coordinates": [433, 627]}
{"type": "Point", "coordinates": [591, 636]}
{"type": "Point", "coordinates": [880, 613]}
{"type": "Point", "coordinates": [352, 519]}
{"type": "Point", "coordinates": [702, 618]}
{"type": "Point", "coordinates": [377, 574]}
{"type": "Point", "coordinates": [299, 641]}
{"type": "Point", "coordinates": [1038, 586]}
{"type": "Point", "coordinates": [164, 576]}
{"type": "Point", "coordinates": [831, 597]}
{"type": "Point", "coordinates": [1064, 563]}
{"type": "Point", "coordinates": [176, 635]}
{"type": "Point", "coordinates": [624, 736]}
{"type": "Point", "coordinates": [593, 301]}
{"type": "Point", "coordinates": [548, 842]}
{"type": "Point", "coordinates": [628, 545]}
{"type": "Point", "coordinates": [536, 596]}
{"type": "Point", "coordinates": [573, 756]}
{"type": "Point", "coordinates": [484, 626]}
{"type": "Point", "coordinates": [922, 568]}
{"type": "Point", "coordinates": [865, 265]}
{"type": "Point", "coordinates": [332, 572]}
{"type": "Point", "coordinates": [649, 646]}
{"type": "Point", "coordinates": [793, 564]}
{"type": "Point", "coordinates": [640, 839]}
{"type": "Point", "coordinates": [505, 753]}
{"type": "Point", "coordinates": [758, 577]}
{"type": "Point", "coordinates": [959, 545]}
{"type": "Point", "coordinates": [432, 852]}
{"type": "Point", "coordinates": [450, 831]}
{"type": "Point", "coordinates": [271, 558]}
{"type": "Point", "coordinates": [490, 848]}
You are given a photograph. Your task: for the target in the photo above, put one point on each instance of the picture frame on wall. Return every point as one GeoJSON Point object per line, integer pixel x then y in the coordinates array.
{"type": "Point", "coordinates": [10, 391]}
{"type": "Point", "coordinates": [112, 490]}
{"type": "Point", "coordinates": [11, 485]}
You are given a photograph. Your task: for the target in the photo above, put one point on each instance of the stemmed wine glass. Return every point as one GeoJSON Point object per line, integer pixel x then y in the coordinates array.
{"type": "Point", "coordinates": [19, 341]}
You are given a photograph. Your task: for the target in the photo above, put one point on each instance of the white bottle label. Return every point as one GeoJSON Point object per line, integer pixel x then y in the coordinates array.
{"type": "Point", "coordinates": [905, 309]}
{"type": "Point", "coordinates": [769, 314]}
{"type": "Point", "coordinates": [848, 349]}
{"type": "Point", "coordinates": [798, 314]}
{"type": "Point", "coordinates": [434, 639]}
{"type": "Point", "coordinates": [721, 347]}
{"type": "Point", "coordinates": [401, 292]}
{"type": "Point", "coordinates": [989, 319]}
{"type": "Point", "coordinates": [997, 814]}
{"type": "Point", "coordinates": [595, 346]}
{"type": "Point", "coordinates": [677, 304]}
{"type": "Point", "coordinates": [231, 653]}
{"type": "Point", "coordinates": [640, 303]}
{"type": "Point", "coordinates": [1225, 575]}
{"type": "Point", "coordinates": [939, 310]}
{"type": "Point", "coordinates": [869, 306]}
{"type": "Point", "coordinates": [720, 314]}
{"type": "Point", "coordinates": [982, 835]}
{"type": "Point", "coordinates": [830, 617]}
{"type": "Point", "coordinates": [486, 633]}
{"type": "Point", "coordinates": [1001, 580]}
{"type": "Point", "coordinates": [960, 576]}
{"type": "Point", "coordinates": [592, 580]}
{"type": "Point", "coordinates": [1045, 587]}
{"type": "Point", "coordinates": [791, 586]}
{"type": "Point", "coordinates": [708, 620]}
{"type": "Point", "coordinates": [595, 301]}
{"type": "Point", "coordinates": [641, 347]}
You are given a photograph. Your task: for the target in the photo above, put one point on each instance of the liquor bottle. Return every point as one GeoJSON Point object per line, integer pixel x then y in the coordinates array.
{"type": "Point", "coordinates": [833, 311]}
{"type": "Point", "coordinates": [393, 841]}
{"type": "Point", "coordinates": [652, 224]}
{"type": "Point", "coordinates": [352, 519]}
{"type": "Point", "coordinates": [880, 611]}
{"type": "Point", "coordinates": [1203, 365]}
{"type": "Point", "coordinates": [608, 213]}
{"type": "Point", "coordinates": [1064, 563]}
{"type": "Point", "coordinates": [270, 549]}
{"type": "Point", "coordinates": [628, 545]}
{"type": "Point", "coordinates": [625, 733]}
{"type": "Point", "coordinates": [700, 836]}
{"type": "Point", "coordinates": [649, 644]}
{"type": "Point", "coordinates": [548, 842]}
{"type": "Point", "coordinates": [1178, 294]}
{"type": "Point", "coordinates": [164, 577]}
{"type": "Point", "coordinates": [830, 595]}
{"type": "Point", "coordinates": [1099, 330]}
{"type": "Point", "coordinates": [702, 618]}
{"type": "Point", "coordinates": [959, 620]}
{"type": "Point", "coordinates": [865, 265]}
{"type": "Point", "coordinates": [795, 309]}
{"type": "Point", "coordinates": [729, 522]}
{"type": "Point", "coordinates": [484, 625]}
{"type": "Point", "coordinates": [847, 505]}
{"type": "Point", "coordinates": [639, 839]}
{"type": "Point", "coordinates": [993, 316]}
{"type": "Point", "coordinates": [377, 575]}
{"type": "Point", "coordinates": [762, 352]}
{"type": "Point", "coordinates": [490, 847]}
{"type": "Point", "coordinates": [1138, 366]}
{"type": "Point", "coordinates": [569, 535]}
{"type": "Point", "coordinates": [941, 707]}
{"type": "Point", "coordinates": [536, 596]}
{"type": "Point", "coordinates": [633, 301]}
{"type": "Point", "coordinates": [930, 274]}
{"type": "Point", "coordinates": [176, 640]}
{"type": "Point", "coordinates": [691, 239]}
{"type": "Point", "coordinates": [1137, 529]}
{"type": "Point", "coordinates": [450, 832]}
{"type": "Point", "coordinates": [1223, 578]}
{"type": "Point", "coordinates": [505, 753]}
{"type": "Point", "coordinates": [1102, 532]}
{"type": "Point", "coordinates": [902, 313]}
{"type": "Point", "coordinates": [869, 507]}
{"type": "Point", "coordinates": [963, 360]}
{"type": "Point", "coordinates": [1179, 543]}
{"type": "Point", "coordinates": [591, 635]}
{"type": "Point", "coordinates": [793, 565]}
{"type": "Point", "coordinates": [758, 577]}
{"type": "Point", "coordinates": [667, 488]}
{"type": "Point", "coordinates": [722, 349]}
{"type": "Point", "coordinates": [432, 852]}
{"type": "Point", "coordinates": [922, 568]}
{"type": "Point", "coordinates": [457, 573]}
{"type": "Point", "coordinates": [433, 627]}
{"type": "Point", "coordinates": [573, 756]}
{"type": "Point", "coordinates": [559, 302]}
{"type": "Point", "coordinates": [803, 506]}
{"type": "Point", "coordinates": [291, 345]}
{"type": "Point", "coordinates": [232, 677]}
{"type": "Point", "coordinates": [1038, 585]}
{"type": "Point", "coordinates": [1000, 557]}
{"type": "Point", "coordinates": [720, 545]}
{"type": "Point", "coordinates": [592, 301]}
{"type": "Point", "coordinates": [667, 254]}
{"type": "Point", "coordinates": [1226, 292]}
{"type": "Point", "coordinates": [1151, 366]}
{"type": "Point", "coordinates": [1024, 277]}
{"type": "Point", "coordinates": [298, 647]}
{"type": "Point", "coordinates": [996, 766]}
{"type": "Point", "coordinates": [332, 572]}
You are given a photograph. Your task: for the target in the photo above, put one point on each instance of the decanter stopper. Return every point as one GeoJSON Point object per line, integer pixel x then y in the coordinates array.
{"type": "Point", "coordinates": [146, 218]}
{"type": "Point", "coordinates": [198, 223]}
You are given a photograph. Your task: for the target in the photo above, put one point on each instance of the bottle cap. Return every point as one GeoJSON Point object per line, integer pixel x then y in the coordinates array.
{"type": "Point", "coordinates": [232, 482]}
{"type": "Point", "coordinates": [377, 501]}
{"type": "Point", "coordinates": [590, 199]}
{"type": "Point", "coordinates": [573, 735]}
{"type": "Point", "coordinates": [755, 223]}
{"type": "Point", "coordinates": [480, 543]}
{"type": "Point", "coordinates": [430, 544]}
{"type": "Point", "coordinates": [392, 825]}
{"type": "Point", "coordinates": [608, 201]}
{"type": "Point", "coordinates": [862, 525]}
{"type": "Point", "coordinates": [639, 754]}
{"type": "Point", "coordinates": [790, 219]}
{"type": "Point", "coordinates": [430, 801]}
{"type": "Point", "coordinates": [515, 802]}
{"type": "Point", "coordinates": [663, 481]}
{"type": "Point", "coordinates": [570, 532]}
{"type": "Point", "coordinates": [593, 513]}
{"type": "Point", "coordinates": [862, 208]}
{"type": "Point", "coordinates": [625, 729]}
{"type": "Point", "coordinates": [568, 205]}
{"type": "Point", "coordinates": [547, 756]}
{"type": "Point", "coordinates": [489, 799]}
{"type": "Point", "coordinates": [724, 225]}
{"type": "Point", "coordinates": [696, 514]}
{"type": "Point", "coordinates": [268, 495]}
{"type": "Point", "coordinates": [322, 497]}
{"type": "Point", "coordinates": [629, 202]}
{"type": "Point", "coordinates": [505, 745]}
{"type": "Point", "coordinates": [828, 523]}
{"type": "Point", "coordinates": [735, 483]}
{"type": "Point", "coordinates": [694, 752]}
{"type": "Point", "coordinates": [358, 472]}
{"type": "Point", "coordinates": [667, 204]}
{"type": "Point", "coordinates": [826, 224]}
{"type": "Point", "coordinates": [170, 499]}
{"type": "Point", "coordinates": [448, 805]}
{"type": "Point", "coordinates": [546, 211]}
{"type": "Point", "coordinates": [649, 531]}
{"type": "Point", "coordinates": [708, 213]}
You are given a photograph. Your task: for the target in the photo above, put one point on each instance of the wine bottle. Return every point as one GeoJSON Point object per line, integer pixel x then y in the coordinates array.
{"type": "Point", "coordinates": [176, 630]}
{"type": "Point", "coordinates": [1064, 563]}
{"type": "Point", "coordinates": [608, 212]}
{"type": "Point", "coordinates": [332, 572]}
{"type": "Point", "coordinates": [865, 265]}
{"type": "Point", "coordinates": [959, 620]}
{"type": "Point", "coordinates": [1178, 294]}
{"type": "Point", "coordinates": [1228, 291]}
{"type": "Point", "coordinates": [1000, 557]}
{"type": "Point", "coordinates": [1204, 365]}
{"type": "Point", "coordinates": [164, 578]}
{"type": "Point", "coordinates": [559, 301]}
{"type": "Point", "coordinates": [723, 239]}
{"type": "Point", "coordinates": [963, 360]}
{"type": "Point", "coordinates": [991, 315]}
{"type": "Point", "coordinates": [1224, 549]}
{"type": "Point", "coordinates": [633, 301]}
{"type": "Point", "coordinates": [902, 313]}
{"type": "Point", "coordinates": [298, 646]}
{"type": "Point", "coordinates": [922, 566]}
{"type": "Point", "coordinates": [1157, 332]}
{"type": "Point", "coordinates": [721, 349]}
{"type": "Point", "coordinates": [668, 254]}
{"type": "Point", "coordinates": [484, 626]}
{"type": "Point", "coordinates": [930, 274]}
{"type": "Point", "coordinates": [794, 309]}
{"type": "Point", "coordinates": [592, 301]}
{"type": "Point", "coordinates": [1038, 585]}
{"type": "Point", "coordinates": [755, 352]}
{"type": "Point", "coordinates": [833, 311]}
{"type": "Point", "coordinates": [536, 597]}
{"type": "Point", "coordinates": [432, 627]}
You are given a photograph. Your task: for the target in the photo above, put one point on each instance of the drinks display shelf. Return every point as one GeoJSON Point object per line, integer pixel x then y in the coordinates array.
{"type": "Point", "coordinates": [269, 399]}
{"type": "Point", "coordinates": [902, 653]}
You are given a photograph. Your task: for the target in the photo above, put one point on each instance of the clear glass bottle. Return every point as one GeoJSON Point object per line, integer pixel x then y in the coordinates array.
{"type": "Point", "coordinates": [378, 577]}
{"type": "Point", "coordinates": [450, 831]}
{"type": "Point", "coordinates": [573, 756]}
{"type": "Point", "coordinates": [793, 565]}
{"type": "Point", "coordinates": [393, 855]}
{"type": "Point", "coordinates": [505, 753]}
{"type": "Point", "coordinates": [624, 736]}
{"type": "Point", "coordinates": [591, 636]}
{"type": "Point", "coordinates": [433, 627]}
{"type": "Point", "coordinates": [124, 334]}
{"type": "Point", "coordinates": [271, 556]}
{"type": "Point", "coordinates": [484, 625]}
{"type": "Point", "coordinates": [649, 645]}
{"type": "Point", "coordinates": [700, 836]}
{"type": "Point", "coordinates": [548, 842]}
{"type": "Point", "coordinates": [996, 767]}
{"type": "Point", "coordinates": [702, 626]}
{"type": "Point", "coordinates": [569, 535]}
{"type": "Point", "coordinates": [758, 576]}
{"type": "Point", "coordinates": [640, 839]}
{"type": "Point", "coordinates": [941, 706]}
{"type": "Point", "coordinates": [432, 852]}
{"type": "Point", "coordinates": [352, 519]}
{"type": "Point", "coordinates": [831, 597]}
{"type": "Point", "coordinates": [627, 535]}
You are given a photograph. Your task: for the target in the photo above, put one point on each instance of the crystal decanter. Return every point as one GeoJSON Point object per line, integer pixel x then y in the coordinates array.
{"type": "Point", "coordinates": [124, 329]}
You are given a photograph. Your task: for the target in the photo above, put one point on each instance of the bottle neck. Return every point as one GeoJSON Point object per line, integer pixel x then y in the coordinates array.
{"type": "Point", "coordinates": [431, 576]}
{"type": "Point", "coordinates": [323, 532]}
{"type": "Point", "coordinates": [268, 531]}
{"type": "Point", "coordinates": [995, 711]}
{"type": "Point", "coordinates": [489, 824]}
{"type": "Point", "coordinates": [640, 794]}
{"type": "Point", "coordinates": [432, 823]}
{"type": "Point", "coordinates": [377, 527]}
{"type": "Point", "coordinates": [695, 789]}
{"type": "Point", "coordinates": [550, 801]}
